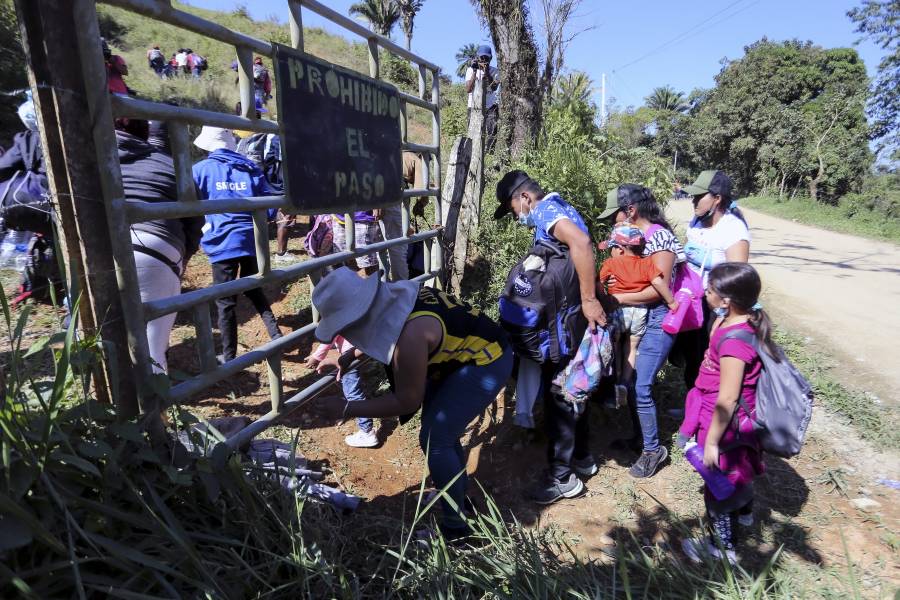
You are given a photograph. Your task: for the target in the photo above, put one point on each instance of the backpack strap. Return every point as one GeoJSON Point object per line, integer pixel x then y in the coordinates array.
{"type": "Point", "coordinates": [158, 256]}
{"type": "Point", "coordinates": [651, 231]}
{"type": "Point", "coordinates": [749, 338]}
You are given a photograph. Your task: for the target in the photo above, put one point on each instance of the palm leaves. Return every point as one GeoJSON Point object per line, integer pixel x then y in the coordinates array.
{"type": "Point", "coordinates": [571, 89]}
{"type": "Point", "coordinates": [382, 15]}
{"type": "Point", "coordinates": [408, 11]}
{"type": "Point", "coordinates": [464, 57]}
{"type": "Point", "coordinates": [666, 98]}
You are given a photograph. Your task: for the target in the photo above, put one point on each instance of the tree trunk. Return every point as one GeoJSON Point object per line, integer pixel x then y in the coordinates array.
{"type": "Point", "coordinates": [814, 182]}
{"type": "Point", "coordinates": [409, 42]}
{"type": "Point", "coordinates": [520, 94]}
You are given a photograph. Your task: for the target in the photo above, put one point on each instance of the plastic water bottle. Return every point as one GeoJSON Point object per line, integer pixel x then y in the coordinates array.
{"type": "Point", "coordinates": [14, 246]}
{"type": "Point", "coordinates": [715, 479]}
{"type": "Point", "coordinates": [673, 320]}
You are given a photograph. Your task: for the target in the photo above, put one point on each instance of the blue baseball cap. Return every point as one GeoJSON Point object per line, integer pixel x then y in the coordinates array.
{"type": "Point", "coordinates": [484, 51]}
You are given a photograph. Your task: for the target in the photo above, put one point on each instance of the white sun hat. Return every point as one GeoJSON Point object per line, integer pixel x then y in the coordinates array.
{"type": "Point", "coordinates": [367, 312]}
{"type": "Point", "coordinates": [215, 138]}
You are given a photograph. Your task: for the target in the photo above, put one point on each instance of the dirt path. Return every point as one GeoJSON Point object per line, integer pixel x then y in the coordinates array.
{"type": "Point", "coordinates": [842, 289]}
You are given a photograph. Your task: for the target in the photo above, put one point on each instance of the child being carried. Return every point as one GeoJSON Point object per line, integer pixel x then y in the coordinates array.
{"type": "Point", "coordinates": [626, 271]}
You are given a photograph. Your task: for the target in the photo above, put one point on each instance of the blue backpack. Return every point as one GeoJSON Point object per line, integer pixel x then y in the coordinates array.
{"type": "Point", "coordinates": [540, 307]}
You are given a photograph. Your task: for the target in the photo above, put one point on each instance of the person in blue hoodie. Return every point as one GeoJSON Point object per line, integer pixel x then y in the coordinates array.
{"type": "Point", "coordinates": [228, 238]}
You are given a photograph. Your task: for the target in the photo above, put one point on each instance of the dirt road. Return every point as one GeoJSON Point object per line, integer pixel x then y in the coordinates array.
{"type": "Point", "coordinates": [837, 288]}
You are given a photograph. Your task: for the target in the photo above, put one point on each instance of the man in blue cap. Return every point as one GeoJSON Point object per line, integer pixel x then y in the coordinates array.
{"type": "Point", "coordinates": [481, 68]}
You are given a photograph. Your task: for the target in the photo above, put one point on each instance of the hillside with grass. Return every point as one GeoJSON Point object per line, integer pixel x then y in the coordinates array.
{"type": "Point", "coordinates": [131, 35]}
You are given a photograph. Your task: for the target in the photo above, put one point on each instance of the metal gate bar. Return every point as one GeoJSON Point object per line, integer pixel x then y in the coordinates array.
{"type": "Point", "coordinates": [125, 212]}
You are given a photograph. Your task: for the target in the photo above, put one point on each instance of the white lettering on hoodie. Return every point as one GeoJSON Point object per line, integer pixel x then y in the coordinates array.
{"type": "Point", "coordinates": [231, 185]}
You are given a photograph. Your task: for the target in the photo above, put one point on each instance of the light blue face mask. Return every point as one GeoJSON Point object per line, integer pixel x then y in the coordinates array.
{"type": "Point", "coordinates": [526, 219]}
{"type": "Point", "coordinates": [720, 311]}
{"type": "Point", "coordinates": [28, 116]}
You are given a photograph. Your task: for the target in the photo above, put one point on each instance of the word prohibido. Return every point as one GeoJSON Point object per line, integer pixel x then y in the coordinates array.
{"type": "Point", "coordinates": [351, 91]}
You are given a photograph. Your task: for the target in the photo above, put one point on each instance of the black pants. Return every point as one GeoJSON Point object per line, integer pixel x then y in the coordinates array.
{"type": "Point", "coordinates": [567, 434]}
{"type": "Point", "coordinates": [227, 270]}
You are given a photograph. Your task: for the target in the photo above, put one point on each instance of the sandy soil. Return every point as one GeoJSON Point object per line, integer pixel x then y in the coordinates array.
{"type": "Point", "coordinates": [839, 288]}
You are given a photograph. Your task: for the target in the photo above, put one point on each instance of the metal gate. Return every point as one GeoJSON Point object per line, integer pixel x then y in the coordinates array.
{"type": "Point", "coordinates": [123, 212]}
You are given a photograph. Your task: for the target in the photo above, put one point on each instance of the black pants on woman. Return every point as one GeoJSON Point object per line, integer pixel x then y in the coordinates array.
{"type": "Point", "coordinates": [228, 270]}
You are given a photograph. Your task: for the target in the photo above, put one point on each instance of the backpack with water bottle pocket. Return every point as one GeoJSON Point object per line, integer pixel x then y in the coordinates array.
{"type": "Point", "coordinates": [540, 307]}
{"type": "Point", "coordinates": [784, 400]}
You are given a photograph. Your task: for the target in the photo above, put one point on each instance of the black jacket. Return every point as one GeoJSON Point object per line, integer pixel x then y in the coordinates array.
{"type": "Point", "coordinates": [26, 148]}
{"type": "Point", "coordinates": [148, 175]}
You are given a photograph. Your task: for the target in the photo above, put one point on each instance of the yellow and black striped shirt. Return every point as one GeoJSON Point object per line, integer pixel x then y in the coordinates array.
{"type": "Point", "coordinates": [468, 335]}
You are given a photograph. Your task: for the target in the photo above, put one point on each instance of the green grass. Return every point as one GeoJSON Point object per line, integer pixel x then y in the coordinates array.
{"type": "Point", "coordinates": [877, 423]}
{"type": "Point", "coordinates": [869, 224]}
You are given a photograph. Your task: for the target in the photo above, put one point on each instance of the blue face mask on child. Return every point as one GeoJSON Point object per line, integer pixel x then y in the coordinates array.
{"type": "Point", "coordinates": [720, 311]}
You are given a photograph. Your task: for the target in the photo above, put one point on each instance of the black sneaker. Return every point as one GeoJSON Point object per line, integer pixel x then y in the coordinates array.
{"type": "Point", "coordinates": [551, 489]}
{"type": "Point", "coordinates": [648, 463]}
{"type": "Point", "coordinates": [586, 467]}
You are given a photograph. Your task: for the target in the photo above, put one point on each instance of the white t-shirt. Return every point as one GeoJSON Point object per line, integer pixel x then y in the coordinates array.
{"type": "Point", "coordinates": [490, 96]}
{"type": "Point", "coordinates": [706, 246]}
{"type": "Point", "coordinates": [181, 59]}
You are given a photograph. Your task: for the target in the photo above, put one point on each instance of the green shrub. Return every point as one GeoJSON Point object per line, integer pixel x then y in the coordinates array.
{"type": "Point", "coordinates": [399, 72]}
{"type": "Point", "coordinates": [880, 195]}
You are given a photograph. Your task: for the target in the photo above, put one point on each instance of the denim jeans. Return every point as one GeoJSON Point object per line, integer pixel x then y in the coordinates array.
{"type": "Point", "coordinates": [353, 392]}
{"type": "Point", "coordinates": [652, 353]}
{"type": "Point", "coordinates": [449, 406]}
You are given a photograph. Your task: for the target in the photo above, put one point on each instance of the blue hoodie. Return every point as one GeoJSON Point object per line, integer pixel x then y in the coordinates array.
{"type": "Point", "coordinates": [227, 174]}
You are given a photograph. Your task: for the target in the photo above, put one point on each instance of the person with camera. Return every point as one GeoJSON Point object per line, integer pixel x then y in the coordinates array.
{"type": "Point", "coordinates": [481, 69]}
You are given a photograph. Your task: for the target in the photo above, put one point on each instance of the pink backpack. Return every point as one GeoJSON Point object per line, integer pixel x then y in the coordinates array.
{"type": "Point", "coordinates": [685, 278]}
{"type": "Point", "coordinates": [320, 238]}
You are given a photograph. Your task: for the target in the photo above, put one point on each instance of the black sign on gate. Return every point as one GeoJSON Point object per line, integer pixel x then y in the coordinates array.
{"type": "Point", "coordinates": [340, 135]}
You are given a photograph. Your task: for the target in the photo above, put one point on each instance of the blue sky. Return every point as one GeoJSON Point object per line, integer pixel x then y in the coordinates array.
{"type": "Point", "coordinates": [639, 45]}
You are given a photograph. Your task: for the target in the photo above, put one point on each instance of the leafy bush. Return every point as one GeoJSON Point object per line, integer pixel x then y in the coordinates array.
{"type": "Point", "coordinates": [454, 114]}
{"type": "Point", "coordinates": [399, 72]}
{"type": "Point", "coordinates": [880, 195]}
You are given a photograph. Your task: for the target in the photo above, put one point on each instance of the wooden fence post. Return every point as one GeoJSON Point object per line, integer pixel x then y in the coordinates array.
{"type": "Point", "coordinates": [55, 70]}
{"type": "Point", "coordinates": [470, 207]}
{"type": "Point", "coordinates": [454, 187]}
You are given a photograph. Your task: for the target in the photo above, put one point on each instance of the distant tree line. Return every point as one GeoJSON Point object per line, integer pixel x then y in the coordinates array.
{"type": "Point", "coordinates": [785, 116]}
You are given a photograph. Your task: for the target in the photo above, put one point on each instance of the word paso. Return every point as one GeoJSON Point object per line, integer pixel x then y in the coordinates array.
{"type": "Point", "coordinates": [341, 135]}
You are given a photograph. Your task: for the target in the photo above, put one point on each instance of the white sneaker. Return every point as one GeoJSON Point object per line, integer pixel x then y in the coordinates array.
{"type": "Point", "coordinates": [745, 520]}
{"type": "Point", "coordinates": [362, 439]}
{"type": "Point", "coordinates": [283, 259]}
{"type": "Point", "coordinates": [699, 549]}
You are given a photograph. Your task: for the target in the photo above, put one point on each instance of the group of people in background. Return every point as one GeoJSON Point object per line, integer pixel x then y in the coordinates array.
{"type": "Point", "coordinates": [185, 62]}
